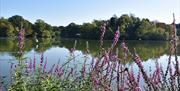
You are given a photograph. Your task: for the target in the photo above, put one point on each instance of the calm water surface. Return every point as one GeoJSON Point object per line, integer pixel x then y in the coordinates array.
{"type": "Point", "coordinates": [58, 50]}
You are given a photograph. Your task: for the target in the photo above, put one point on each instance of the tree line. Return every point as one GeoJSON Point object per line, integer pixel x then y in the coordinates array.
{"type": "Point", "coordinates": [131, 27]}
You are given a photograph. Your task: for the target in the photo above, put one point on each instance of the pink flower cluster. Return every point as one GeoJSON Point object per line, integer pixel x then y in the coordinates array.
{"type": "Point", "coordinates": [21, 40]}
{"type": "Point", "coordinates": [103, 30]}
{"type": "Point", "coordinates": [125, 48]}
{"type": "Point", "coordinates": [116, 37]}
{"type": "Point", "coordinates": [138, 61]}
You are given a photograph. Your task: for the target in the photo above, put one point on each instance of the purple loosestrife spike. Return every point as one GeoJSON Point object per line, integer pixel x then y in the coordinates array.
{"type": "Point", "coordinates": [106, 57]}
{"type": "Point", "coordinates": [132, 75]}
{"type": "Point", "coordinates": [34, 63]}
{"type": "Point", "coordinates": [60, 72]}
{"type": "Point", "coordinates": [57, 68]}
{"type": "Point", "coordinates": [42, 59]}
{"type": "Point", "coordinates": [175, 38]}
{"type": "Point", "coordinates": [130, 78]}
{"type": "Point", "coordinates": [158, 72]}
{"type": "Point", "coordinates": [21, 41]}
{"type": "Point", "coordinates": [30, 65]}
{"type": "Point", "coordinates": [138, 61]}
{"type": "Point", "coordinates": [103, 30]}
{"type": "Point", "coordinates": [116, 37]}
{"type": "Point", "coordinates": [138, 77]}
{"type": "Point", "coordinates": [125, 49]}
{"type": "Point", "coordinates": [44, 68]}
{"type": "Point", "coordinates": [114, 57]}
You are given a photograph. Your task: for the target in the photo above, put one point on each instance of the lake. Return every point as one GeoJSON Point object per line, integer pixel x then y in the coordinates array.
{"type": "Point", "coordinates": [58, 50]}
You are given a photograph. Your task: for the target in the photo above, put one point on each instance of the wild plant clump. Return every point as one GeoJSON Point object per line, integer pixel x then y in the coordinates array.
{"type": "Point", "coordinates": [105, 72]}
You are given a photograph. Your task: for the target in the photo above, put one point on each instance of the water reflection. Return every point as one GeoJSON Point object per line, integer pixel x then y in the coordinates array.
{"type": "Point", "coordinates": [146, 49]}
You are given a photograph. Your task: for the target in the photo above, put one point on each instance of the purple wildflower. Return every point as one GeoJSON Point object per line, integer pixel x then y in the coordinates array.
{"type": "Point", "coordinates": [116, 37]}
{"type": "Point", "coordinates": [103, 30]}
{"type": "Point", "coordinates": [34, 63]}
{"type": "Point", "coordinates": [21, 40]}
{"type": "Point", "coordinates": [171, 70]}
{"type": "Point", "coordinates": [125, 48]}
{"type": "Point", "coordinates": [30, 64]}
{"type": "Point", "coordinates": [42, 59]}
{"type": "Point", "coordinates": [44, 68]}
{"type": "Point", "coordinates": [138, 61]}
{"type": "Point", "coordinates": [60, 72]}
{"type": "Point", "coordinates": [156, 75]}
{"type": "Point", "coordinates": [106, 57]}
{"type": "Point", "coordinates": [57, 68]}
{"type": "Point", "coordinates": [138, 77]}
{"type": "Point", "coordinates": [131, 76]}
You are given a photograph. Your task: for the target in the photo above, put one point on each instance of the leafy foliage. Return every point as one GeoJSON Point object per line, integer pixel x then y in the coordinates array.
{"type": "Point", "coordinates": [131, 27]}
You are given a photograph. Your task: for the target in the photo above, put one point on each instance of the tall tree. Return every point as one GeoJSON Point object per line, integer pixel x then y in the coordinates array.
{"type": "Point", "coordinates": [42, 29]}
{"type": "Point", "coordinates": [6, 29]}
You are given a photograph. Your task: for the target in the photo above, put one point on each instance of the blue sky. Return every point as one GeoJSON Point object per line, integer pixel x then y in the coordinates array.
{"type": "Point", "coordinates": [63, 12]}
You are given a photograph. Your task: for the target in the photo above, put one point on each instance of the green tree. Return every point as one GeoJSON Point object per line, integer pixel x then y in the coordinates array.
{"type": "Point", "coordinates": [42, 29]}
{"type": "Point", "coordinates": [90, 31]}
{"type": "Point", "coordinates": [72, 30]}
{"type": "Point", "coordinates": [132, 28]}
{"type": "Point", "coordinates": [124, 21]}
{"type": "Point", "coordinates": [144, 28]}
{"type": "Point", "coordinates": [57, 31]}
{"type": "Point", "coordinates": [113, 22]}
{"type": "Point", "coordinates": [6, 29]}
{"type": "Point", "coordinates": [19, 22]}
